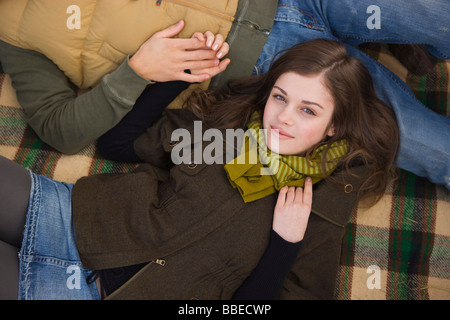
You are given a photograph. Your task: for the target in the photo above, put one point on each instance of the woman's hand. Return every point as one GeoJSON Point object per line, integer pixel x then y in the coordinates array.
{"type": "Point", "coordinates": [213, 42]}
{"type": "Point", "coordinates": [216, 44]}
{"type": "Point", "coordinates": [163, 58]}
{"type": "Point", "coordinates": [292, 212]}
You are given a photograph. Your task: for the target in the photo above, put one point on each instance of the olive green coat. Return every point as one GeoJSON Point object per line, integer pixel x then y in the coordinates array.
{"type": "Point", "coordinates": [187, 219]}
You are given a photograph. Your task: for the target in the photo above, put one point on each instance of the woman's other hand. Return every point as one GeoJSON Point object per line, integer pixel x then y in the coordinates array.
{"type": "Point", "coordinates": [217, 44]}
{"type": "Point", "coordinates": [292, 212]}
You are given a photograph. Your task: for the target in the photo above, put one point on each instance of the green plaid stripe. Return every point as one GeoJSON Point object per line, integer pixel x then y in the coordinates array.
{"type": "Point", "coordinates": [101, 165]}
{"type": "Point", "coordinates": [11, 124]}
{"type": "Point", "coordinates": [35, 155]}
{"type": "Point", "coordinates": [411, 237]}
{"type": "Point", "coordinates": [431, 89]}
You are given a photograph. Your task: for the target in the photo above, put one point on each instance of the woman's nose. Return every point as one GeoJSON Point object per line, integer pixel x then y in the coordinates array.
{"type": "Point", "coordinates": [285, 116]}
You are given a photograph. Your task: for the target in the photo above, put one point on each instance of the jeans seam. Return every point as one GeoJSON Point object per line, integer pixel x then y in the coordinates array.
{"type": "Point", "coordinates": [57, 262]}
{"type": "Point", "coordinates": [28, 244]}
{"type": "Point", "coordinates": [298, 21]}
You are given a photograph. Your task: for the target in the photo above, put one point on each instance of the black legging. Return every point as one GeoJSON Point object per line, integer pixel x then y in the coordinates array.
{"type": "Point", "coordinates": [15, 183]}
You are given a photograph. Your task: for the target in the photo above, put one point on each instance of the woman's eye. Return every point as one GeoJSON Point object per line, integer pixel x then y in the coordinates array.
{"type": "Point", "coordinates": [308, 111]}
{"type": "Point", "coordinates": [279, 97]}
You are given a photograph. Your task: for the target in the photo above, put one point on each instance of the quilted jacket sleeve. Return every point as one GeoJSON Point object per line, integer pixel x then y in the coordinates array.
{"type": "Point", "coordinates": [67, 121]}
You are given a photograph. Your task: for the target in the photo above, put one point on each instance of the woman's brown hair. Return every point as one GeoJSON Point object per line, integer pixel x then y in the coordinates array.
{"type": "Point", "coordinates": [367, 123]}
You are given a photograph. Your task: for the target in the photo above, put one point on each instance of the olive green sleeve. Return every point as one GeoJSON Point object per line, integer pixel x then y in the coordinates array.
{"type": "Point", "coordinates": [61, 118]}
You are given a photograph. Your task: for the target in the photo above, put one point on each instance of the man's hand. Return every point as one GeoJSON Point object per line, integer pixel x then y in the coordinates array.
{"type": "Point", "coordinates": [163, 58]}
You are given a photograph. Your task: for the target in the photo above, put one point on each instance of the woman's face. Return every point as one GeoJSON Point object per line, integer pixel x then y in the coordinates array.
{"type": "Point", "coordinates": [297, 114]}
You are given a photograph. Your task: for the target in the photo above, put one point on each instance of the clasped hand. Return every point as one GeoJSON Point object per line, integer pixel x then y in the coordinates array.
{"type": "Point", "coordinates": [164, 58]}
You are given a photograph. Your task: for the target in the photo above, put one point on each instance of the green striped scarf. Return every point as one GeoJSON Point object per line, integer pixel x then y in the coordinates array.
{"type": "Point", "coordinates": [257, 172]}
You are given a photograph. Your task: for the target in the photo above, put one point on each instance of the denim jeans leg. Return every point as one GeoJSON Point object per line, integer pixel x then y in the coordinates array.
{"type": "Point", "coordinates": [401, 21]}
{"type": "Point", "coordinates": [424, 144]}
{"type": "Point", "coordinates": [50, 266]}
{"type": "Point", "coordinates": [424, 134]}
{"type": "Point", "coordinates": [291, 25]}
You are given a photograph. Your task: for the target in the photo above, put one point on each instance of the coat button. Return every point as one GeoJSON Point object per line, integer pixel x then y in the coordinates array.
{"type": "Point", "coordinates": [173, 143]}
{"type": "Point", "coordinates": [192, 165]}
{"type": "Point", "coordinates": [348, 188]}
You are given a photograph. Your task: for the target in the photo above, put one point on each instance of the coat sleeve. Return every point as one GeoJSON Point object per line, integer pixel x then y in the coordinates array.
{"type": "Point", "coordinates": [61, 118]}
{"type": "Point", "coordinates": [313, 273]}
{"type": "Point", "coordinates": [155, 145]}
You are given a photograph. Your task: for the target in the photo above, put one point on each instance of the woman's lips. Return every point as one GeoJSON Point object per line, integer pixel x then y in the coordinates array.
{"type": "Point", "coordinates": [280, 133]}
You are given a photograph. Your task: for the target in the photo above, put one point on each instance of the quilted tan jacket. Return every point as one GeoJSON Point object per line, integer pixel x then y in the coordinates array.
{"type": "Point", "coordinates": [92, 38]}
{"type": "Point", "coordinates": [109, 32]}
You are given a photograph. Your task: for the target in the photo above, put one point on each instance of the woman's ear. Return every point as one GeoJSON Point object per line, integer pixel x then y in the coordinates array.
{"type": "Point", "coordinates": [331, 131]}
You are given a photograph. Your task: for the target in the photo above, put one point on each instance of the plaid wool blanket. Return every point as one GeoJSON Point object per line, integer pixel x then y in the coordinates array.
{"type": "Point", "coordinates": [397, 249]}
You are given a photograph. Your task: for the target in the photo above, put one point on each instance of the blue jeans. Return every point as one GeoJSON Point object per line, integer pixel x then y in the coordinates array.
{"type": "Point", "coordinates": [424, 134]}
{"type": "Point", "coordinates": [50, 267]}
